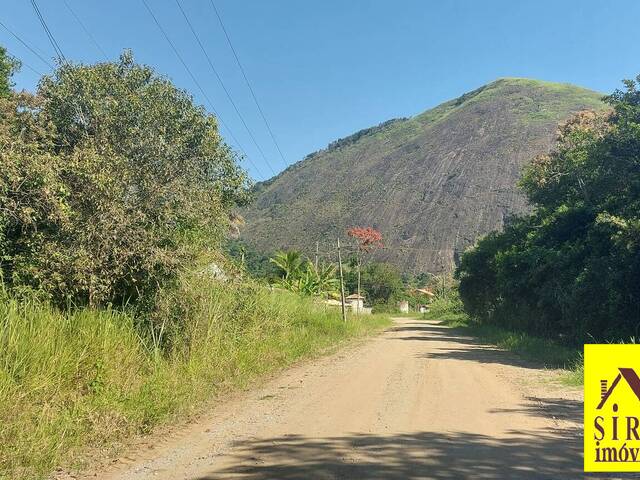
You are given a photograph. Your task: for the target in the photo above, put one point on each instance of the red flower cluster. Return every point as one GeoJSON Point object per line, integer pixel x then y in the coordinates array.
{"type": "Point", "coordinates": [368, 238]}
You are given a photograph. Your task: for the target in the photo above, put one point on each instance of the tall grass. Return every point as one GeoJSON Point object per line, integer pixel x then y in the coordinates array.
{"type": "Point", "coordinates": [82, 378]}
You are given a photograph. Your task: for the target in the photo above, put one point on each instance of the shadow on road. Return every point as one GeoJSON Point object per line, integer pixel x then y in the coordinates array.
{"type": "Point", "coordinates": [469, 348]}
{"type": "Point", "coordinates": [438, 456]}
{"type": "Point", "coordinates": [554, 408]}
{"type": "Point", "coordinates": [550, 454]}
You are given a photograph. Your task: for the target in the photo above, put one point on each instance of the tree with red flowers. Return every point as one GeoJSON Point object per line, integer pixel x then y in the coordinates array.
{"type": "Point", "coordinates": [367, 239]}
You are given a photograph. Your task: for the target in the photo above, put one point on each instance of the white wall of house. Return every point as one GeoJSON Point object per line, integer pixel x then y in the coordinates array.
{"type": "Point", "coordinates": [355, 304]}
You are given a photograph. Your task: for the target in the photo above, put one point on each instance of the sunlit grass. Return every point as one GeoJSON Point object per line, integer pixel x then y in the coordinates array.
{"type": "Point", "coordinates": [70, 380]}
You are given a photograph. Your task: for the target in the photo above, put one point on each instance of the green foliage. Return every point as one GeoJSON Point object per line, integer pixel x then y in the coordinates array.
{"type": "Point", "coordinates": [8, 66]}
{"type": "Point", "coordinates": [86, 377]}
{"type": "Point", "coordinates": [112, 181]}
{"type": "Point", "coordinates": [291, 264]}
{"type": "Point", "coordinates": [298, 274]}
{"type": "Point", "coordinates": [380, 282]}
{"type": "Point", "coordinates": [448, 309]}
{"type": "Point", "coordinates": [571, 269]}
{"type": "Point", "coordinates": [258, 265]}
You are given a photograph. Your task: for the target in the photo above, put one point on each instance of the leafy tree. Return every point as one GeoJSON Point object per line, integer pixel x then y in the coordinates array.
{"type": "Point", "coordinates": [367, 238]}
{"type": "Point", "coordinates": [290, 264]}
{"type": "Point", "coordinates": [8, 66]}
{"type": "Point", "coordinates": [114, 183]}
{"type": "Point", "coordinates": [572, 267]}
{"type": "Point", "coordinates": [381, 282]}
{"type": "Point", "coordinates": [298, 274]}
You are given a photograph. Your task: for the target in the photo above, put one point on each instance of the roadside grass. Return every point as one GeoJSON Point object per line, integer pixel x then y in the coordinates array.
{"type": "Point", "coordinates": [91, 378]}
{"type": "Point", "coordinates": [543, 351]}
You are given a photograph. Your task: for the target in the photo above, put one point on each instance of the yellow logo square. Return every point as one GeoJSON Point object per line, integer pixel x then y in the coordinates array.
{"type": "Point", "coordinates": [612, 408]}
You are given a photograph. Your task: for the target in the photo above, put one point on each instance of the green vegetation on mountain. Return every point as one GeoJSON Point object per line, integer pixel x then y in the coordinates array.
{"type": "Point", "coordinates": [432, 184]}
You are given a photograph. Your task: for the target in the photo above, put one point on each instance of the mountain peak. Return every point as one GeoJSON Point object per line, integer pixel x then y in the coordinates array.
{"type": "Point", "coordinates": [431, 183]}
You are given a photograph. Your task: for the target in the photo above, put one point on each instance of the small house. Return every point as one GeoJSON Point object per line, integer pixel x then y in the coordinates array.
{"type": "Point", "coordinates": [355, 302]}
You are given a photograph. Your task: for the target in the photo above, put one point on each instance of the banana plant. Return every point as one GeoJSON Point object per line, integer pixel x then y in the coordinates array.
{"type": "Point", "coordinates": [302, 276]}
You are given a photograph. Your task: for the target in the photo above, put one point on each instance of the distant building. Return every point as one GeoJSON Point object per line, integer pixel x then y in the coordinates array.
{"type": "Point", "coordinates": [355, 302]}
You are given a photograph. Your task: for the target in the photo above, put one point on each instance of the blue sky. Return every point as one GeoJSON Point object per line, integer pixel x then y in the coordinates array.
{"type": "Point", "coordinates": [325, 69]}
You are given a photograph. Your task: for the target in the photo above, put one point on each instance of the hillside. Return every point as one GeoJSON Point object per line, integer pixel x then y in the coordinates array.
{"type": "Point", "coordinates": [432, 183]}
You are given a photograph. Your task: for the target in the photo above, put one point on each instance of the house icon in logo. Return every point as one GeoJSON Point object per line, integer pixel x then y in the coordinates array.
{"type": "Point", "coordinates": [630, 376]}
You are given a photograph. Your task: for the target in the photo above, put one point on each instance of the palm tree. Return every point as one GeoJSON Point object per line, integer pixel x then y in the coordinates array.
{"type": "Point", "coordinates": [290, 264]}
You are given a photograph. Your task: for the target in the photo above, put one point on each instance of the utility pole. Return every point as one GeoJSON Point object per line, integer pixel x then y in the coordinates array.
{"type": "Point", "coordinates": [344, 311]}
{"type": "Point", "coordinates": [315, 262]}
{"type": "Point", "coordinates": [358, 301]}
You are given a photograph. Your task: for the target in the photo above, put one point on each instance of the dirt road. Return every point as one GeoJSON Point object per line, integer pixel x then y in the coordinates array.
{"type": "Point", "coordinates": [421, 401]}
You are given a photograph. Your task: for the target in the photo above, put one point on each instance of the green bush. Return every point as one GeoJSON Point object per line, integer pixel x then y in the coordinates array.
{"type": "Point", "coordinates": [111, 181]}
{"type": "Point", "coordinates": [381, 283]}
{"type": "Point", "coordinates": [571, 269]}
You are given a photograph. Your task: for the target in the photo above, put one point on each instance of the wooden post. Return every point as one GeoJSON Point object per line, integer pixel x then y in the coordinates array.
{"type": "Point", "coordinates": [316, 259]}
{"type": "Point", "coordinates": [358, 304]}
{"type": "Point", "coordinates": [344, 311]}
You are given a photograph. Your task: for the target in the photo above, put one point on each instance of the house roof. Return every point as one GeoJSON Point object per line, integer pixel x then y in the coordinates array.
{"type": "Point", "coordinates": [355, 296]}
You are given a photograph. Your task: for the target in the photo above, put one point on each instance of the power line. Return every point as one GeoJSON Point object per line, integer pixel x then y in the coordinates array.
{"type": "Point", "coordinates": [22, 62]}
{"type": "Point", "coordinates": [26, 45]}
{"type": "Point", "coordinates": [52, 40]}
{"type": "Point", "coordinates": [246, 79]}
{"type": "Point", "coordinates": [223, 86]}
{"type": "Point", "coordinates": [195, 81]}
{"type": "Point", "coordinates": [86, 31]}
{"type": "Point", "coordinates": [62, 59]}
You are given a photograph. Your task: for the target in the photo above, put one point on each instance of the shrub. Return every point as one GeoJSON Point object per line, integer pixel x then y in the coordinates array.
{"type": "Point", "coordinates": [112, 181]}
{"type": "Point", "coordinates": [571, 269]}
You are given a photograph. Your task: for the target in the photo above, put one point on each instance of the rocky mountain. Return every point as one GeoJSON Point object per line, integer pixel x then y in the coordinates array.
{"type": "Point", "coordinates": [431, 184]}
